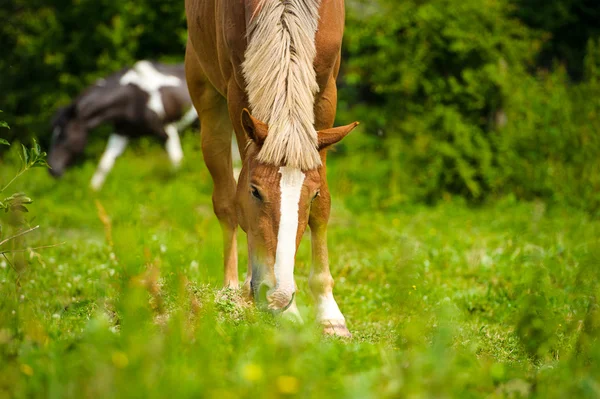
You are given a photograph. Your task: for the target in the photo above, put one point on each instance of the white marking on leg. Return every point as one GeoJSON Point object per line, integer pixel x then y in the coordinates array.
{"type": "Point", "coordinates": [146, 77]}
{"type": "Point", "coordinates": [328, 309]}
{"type": "Point", "coordinates": [115, 147]}
{"type": "Point", "coordinates": [291, 187]}
{"type": "Point", "coordinates": [173, 145]}
{"type": "Point", "coordinates": [187, 119]}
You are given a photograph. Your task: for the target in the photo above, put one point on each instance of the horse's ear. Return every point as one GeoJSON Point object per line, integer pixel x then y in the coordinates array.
{"type": "Point", "coordinates": [256, 130]}
{"type": "Point", "coordinates": [329, 137]}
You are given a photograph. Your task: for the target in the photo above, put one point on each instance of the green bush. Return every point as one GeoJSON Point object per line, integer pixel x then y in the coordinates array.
{"type": "Point", "coordinates": [433, 76]}
{"type": "Point", "coordinates": [550, 147]}
{"type": "Point", "coordinates": [567, 25]}
{"type": "Point", "coordinates": [450, 94]}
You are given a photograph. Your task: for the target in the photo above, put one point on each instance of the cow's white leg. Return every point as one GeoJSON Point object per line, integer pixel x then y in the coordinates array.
{"type": "Point", "coordinates": [187, 119]}
{"type": "Point", "coordinates": [115, 147]}
{"type": "Point", "coordinates": [173, 145]}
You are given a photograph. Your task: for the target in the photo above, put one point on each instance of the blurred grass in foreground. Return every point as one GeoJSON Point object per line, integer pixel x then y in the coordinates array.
{"type": "Point", "coordinates": [498, 301]}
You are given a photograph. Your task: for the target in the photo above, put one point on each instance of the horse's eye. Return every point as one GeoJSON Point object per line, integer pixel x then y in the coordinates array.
{"type": "Point", "coordinates": [316, 195]}
{"type": "Point", "coordinates": [256, 193]}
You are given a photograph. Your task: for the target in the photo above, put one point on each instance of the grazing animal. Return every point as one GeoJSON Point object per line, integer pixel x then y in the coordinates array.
{"type": "Point", "coordinates": [267, 69]}
{"type": "Point", "coordinates": [148, 99]}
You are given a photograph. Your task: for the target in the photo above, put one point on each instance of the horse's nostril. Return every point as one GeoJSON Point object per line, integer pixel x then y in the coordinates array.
{"type": "Point", "coordinates": [260, 294]}
{"type": "Point", "coordinates": [290, 303]}
{"type": "Point", "coordinates": [271, 298]}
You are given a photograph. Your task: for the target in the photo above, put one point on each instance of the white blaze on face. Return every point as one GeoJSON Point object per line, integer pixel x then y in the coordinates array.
{"type": "Point", "coordinates": [291, 188]}
{"type": "Point", "coordinates": [146, 77]}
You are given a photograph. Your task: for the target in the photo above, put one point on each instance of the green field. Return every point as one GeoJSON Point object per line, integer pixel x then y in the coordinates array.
{"type": "Point", "coordinates": [445, 301]}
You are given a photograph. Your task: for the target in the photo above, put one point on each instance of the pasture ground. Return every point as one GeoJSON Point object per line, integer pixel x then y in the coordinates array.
{"type": "Point", "coordinates": [443, 301]}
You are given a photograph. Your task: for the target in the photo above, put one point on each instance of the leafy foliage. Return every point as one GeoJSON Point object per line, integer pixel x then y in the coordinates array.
{"type": "Point", "coordinates": [437, 74]}
{"type": "Point", "coordinates": [550, 147]}
{"type": "Point", "coordinates": [567, 26]}
{"type": "Point", "coordinates": [450, 93]}
{"type": "Point", "coordinates": [30, 158]}
{"type": "Point", "coordinates": [4, 125]}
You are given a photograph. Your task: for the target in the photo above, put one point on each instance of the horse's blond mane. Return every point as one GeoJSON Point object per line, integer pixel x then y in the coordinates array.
{"type": "Point", "coordinates": [281, 81]}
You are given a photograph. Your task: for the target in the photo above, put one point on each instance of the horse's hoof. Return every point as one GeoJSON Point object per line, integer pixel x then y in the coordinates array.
{"type": "Point", "coordinates": [337, 329]}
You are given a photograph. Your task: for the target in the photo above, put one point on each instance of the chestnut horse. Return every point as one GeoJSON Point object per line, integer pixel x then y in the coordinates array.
{"type": "Point", "coordinates": [267, 69]}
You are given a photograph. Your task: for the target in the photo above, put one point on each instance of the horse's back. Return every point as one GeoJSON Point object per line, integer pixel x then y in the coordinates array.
{"type": "Point", "coordinates": [177, 70]}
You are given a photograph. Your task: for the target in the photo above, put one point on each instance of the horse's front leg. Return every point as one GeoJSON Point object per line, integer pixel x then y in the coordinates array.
{"type": "Point", "coordinates": [215, 128]}
{"type": "Point", "coordinates": [320, 280]}
{"type": "Point", "coordinates": [173, 145]}
{"type": "Point", "coordinates": [114, 148]}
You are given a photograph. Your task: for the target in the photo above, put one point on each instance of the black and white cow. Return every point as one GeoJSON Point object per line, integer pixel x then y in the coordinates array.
{"type": "Point", "coordinates": [149, 99]}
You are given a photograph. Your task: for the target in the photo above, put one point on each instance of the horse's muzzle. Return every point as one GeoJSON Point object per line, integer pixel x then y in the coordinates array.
{"type": "Point", "coordinates": [279, 301]}
{"type": "Point", "coordinates": [273, 300]}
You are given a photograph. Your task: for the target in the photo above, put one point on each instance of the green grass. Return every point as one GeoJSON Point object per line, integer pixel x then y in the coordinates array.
{"type": "Point", "coordinates": [444, 301]}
